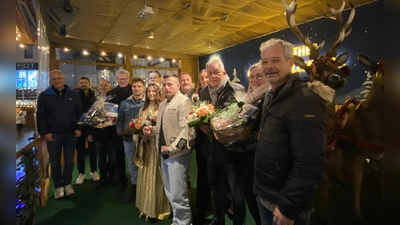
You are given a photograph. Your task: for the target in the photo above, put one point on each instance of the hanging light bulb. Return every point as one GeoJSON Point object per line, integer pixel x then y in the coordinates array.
{"type": "Point", "coordinates": [151, 34]}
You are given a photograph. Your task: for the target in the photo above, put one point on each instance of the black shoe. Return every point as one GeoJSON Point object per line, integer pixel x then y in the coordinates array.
{"type": "Point", "coordinates": [200, 218]}
{"type": "Point", "coordinates": [214, 222]}
{"type": "Point", "coordinates": [132, 195]}
{"type": "Point", "coordinates": [100, 184]}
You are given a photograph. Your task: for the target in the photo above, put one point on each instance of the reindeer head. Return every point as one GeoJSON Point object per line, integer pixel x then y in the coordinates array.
{"type": "Point", "coordinates": [323, 68]}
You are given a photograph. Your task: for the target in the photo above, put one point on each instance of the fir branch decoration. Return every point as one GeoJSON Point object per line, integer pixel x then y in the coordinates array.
{"type": "Point", "coordinates": [27, 186]}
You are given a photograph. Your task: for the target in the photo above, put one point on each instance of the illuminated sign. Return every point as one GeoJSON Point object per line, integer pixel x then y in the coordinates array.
{"type": "Point", "coordinates": [27, 66]}
{"type": "Point", "coordinates": [302, 51]}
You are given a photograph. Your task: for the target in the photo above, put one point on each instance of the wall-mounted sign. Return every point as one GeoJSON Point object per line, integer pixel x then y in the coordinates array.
{"type": "Point", "coordinates": [27, 66]}
{"type": "Point", "coordinates": [302, 51]}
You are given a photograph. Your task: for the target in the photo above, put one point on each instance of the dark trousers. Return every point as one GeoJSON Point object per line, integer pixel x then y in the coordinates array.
{"type": "Point", "coordinates": [20, 126]}
{"type": "Point", "coordinates": [246, 160]}
{"type": "Point", "coordinates": [203, 191]}
{"type": "Point", "coordinates": [81, 150]}
{"type": "Point", "coordinates": [217, 173]}
{"type": "Point", "coordinates": [61, 142]}
{"type": "Point", "coordinates": [106, 160]}
{"type": "Point", "coordinates": [120, 159]}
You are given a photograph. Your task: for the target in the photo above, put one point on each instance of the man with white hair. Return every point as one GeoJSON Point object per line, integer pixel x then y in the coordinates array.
{"type": "Point", "coordinates": [222, 164]}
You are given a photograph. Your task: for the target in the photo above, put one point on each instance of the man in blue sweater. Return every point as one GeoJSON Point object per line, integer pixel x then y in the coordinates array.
{"type": "Point", "coordinates": [58, 111]}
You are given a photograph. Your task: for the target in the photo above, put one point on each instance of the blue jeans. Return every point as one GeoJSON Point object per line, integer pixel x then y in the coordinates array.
{"type": "Point", "coordinates": [175, 175]}
{"type": "Point", "coordinates": [217, 173]}
{"type": "Point", "coordinates": [61, 142]}
{"type": "Point", "coordinates": [268, 216]}
{"type": "Point", "coordinates": [130, 150]}
{"type": "Point", "coordinates": [106, 159]}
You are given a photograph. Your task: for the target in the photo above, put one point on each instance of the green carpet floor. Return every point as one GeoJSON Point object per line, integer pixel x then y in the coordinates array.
{"type": "Point", "coordinates": [105, 207]}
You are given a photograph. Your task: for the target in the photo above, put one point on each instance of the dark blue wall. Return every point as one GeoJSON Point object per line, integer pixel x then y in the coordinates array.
{"type": "Point", "coordinates": [365, 38]}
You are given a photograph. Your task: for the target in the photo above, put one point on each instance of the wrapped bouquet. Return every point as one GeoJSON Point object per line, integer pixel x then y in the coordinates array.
{"type": "Point", "coordinates": [200, 114]}
{"type": "Point", "coordinates": [234, 123]}
{"type": "Point", "coordinates": [101, 114]}
{"type": "Point", "coordinates": [137, 124]}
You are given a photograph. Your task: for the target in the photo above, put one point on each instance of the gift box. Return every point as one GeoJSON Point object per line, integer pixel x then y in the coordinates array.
{"type": "Point", "coordinates": [101, 114]}
{"type": "Point", "coordinates": [234, 123]}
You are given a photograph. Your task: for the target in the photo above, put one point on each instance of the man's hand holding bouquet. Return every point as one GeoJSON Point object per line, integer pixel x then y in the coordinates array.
{"type": "Point", "coordinates": [200, 116]}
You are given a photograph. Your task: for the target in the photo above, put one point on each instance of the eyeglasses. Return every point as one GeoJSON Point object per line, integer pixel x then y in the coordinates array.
{"type": "Point", "coordinates": [273, 60]}
{"type": "Point", "coordinates": [122, 78]}
{"type": "Point", "coordinates": [258, 76]}
{"type": "Point", "coordinates": [216, 73]}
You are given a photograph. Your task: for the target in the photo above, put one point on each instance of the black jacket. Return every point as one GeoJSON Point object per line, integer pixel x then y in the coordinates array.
{"type": "Point", "coordinates": [121, 93]}
{"type": "Point", "coordinates": [215, 151]}
{"type": "Point", "coordinates": [290, 157]}
{"type": "Point", "coordinates": [86, 99]}
{"type": "Point", "coordinates": [58, 112]}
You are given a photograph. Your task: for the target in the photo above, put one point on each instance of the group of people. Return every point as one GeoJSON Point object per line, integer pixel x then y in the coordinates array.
{"type": "Point", "coordinates": [275, 172]}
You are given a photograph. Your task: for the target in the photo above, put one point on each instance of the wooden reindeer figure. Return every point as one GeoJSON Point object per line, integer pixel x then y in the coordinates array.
{"type": "Point", "coordinates": [329, 71]}
{"type": "Point", "coordinates": [362, 129]}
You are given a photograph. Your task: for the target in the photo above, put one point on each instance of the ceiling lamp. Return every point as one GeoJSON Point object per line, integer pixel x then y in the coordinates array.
{"type": "Point", "coordinates": [151, 34]}
{"type": "Point", "coordinates": [209, 45]}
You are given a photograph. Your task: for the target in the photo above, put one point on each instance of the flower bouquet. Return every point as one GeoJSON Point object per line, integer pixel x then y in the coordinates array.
{"type": "Point", "coordinates": [234, 123]}
{"type": "Point", "coordinates": [101, 114]}
{"type": "Point", "coordinates": [200, 114]}
{"type": "Point", "coordinates": [137, 124]}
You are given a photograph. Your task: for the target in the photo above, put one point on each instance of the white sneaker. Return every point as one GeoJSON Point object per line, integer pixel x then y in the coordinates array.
{"type": "Point", "coordinates": [59, 193]}
{"type": "Point", "coordinates": [69, 190]}
{"type": "Point", "coordinates": [94, 176]}
{"type": "Point", "coordinates": [80, 179]}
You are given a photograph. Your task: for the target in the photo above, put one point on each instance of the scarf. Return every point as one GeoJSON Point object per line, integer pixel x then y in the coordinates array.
{"type": "Point", "coordinates": [215, 91]}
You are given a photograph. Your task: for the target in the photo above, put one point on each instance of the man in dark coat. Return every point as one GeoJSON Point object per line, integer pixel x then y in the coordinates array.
{"type": "Point", "coordinates": [222, 164]}
{"type": "Point", "coordinates": [58, 112]}
{"type": "Point", "coordinates": [120, 93]}
{"type": "Point", "coordinates": [290, 157]}
{"type": "Point", "coordinates": [86, 94]}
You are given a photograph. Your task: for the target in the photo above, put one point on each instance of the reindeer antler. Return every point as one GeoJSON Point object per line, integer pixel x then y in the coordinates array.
{"type": "Point", "coordinates": [290, 17]}
{"type": "Point", "coordinates": [342, 33]}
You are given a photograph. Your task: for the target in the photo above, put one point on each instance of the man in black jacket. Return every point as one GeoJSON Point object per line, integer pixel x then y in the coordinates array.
{"type": "Point", "coordinates": [222, 164]}
{"type": "Point", "coordinates": [86, 94]}
{"type": "Point", "coordinates": [58, 112]}
{"type": "Point", "coordinates": [290, 157]}
{"type": "Point", "coordinates": [120, 93]}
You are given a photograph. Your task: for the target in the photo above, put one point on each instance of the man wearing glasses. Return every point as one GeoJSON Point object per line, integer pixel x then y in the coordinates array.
{"type": "Point", "coordinates": [222, 164]}
{"type": "Point", "coordinates": [121, 92]}
{"type": "Point", "coordinates": [290, 157]}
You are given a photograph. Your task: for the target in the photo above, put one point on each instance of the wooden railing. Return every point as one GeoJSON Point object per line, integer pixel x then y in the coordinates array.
{"type": "Point", "coordinates": [44, 166]}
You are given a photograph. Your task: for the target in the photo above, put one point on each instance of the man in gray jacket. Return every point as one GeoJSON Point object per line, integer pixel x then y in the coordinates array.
{"type": "Point", "coordinates": [175, 140]}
